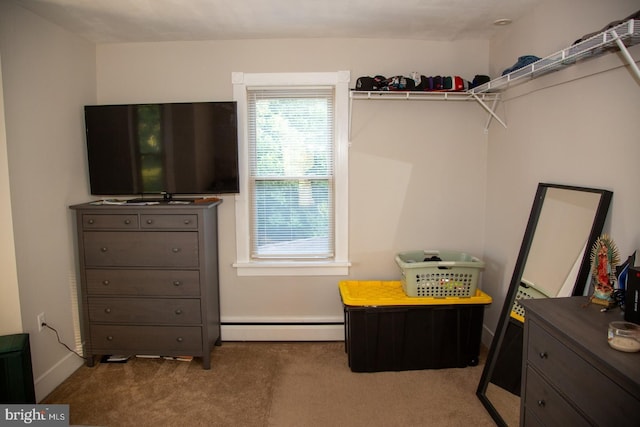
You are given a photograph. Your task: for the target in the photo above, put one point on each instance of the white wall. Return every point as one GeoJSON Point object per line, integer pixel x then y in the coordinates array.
{"type": "Point", "coordinates": [47, 76]}
{"type": "Point", "coordinates": [417, 169]}
{"type": "Point", "coordinates": [10, 320]}
{"type": "Point", "coordinates": [578, 126]}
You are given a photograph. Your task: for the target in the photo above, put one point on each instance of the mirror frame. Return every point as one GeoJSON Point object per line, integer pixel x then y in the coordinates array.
{"type": "Point", "coordinates": [578, 289]}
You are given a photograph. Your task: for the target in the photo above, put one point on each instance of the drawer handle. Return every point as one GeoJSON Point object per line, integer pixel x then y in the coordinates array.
{"type": "Point", "coordinates": [105, 282]}
{"type": "Point", "coordinates": [127, 221]}
{"type": "Point", "coordinates": [149, 221]}
{"type": "Point", "coordinates": [91, 221]}
{"type": "Point", "coordinates": [109, 338]}
{"type": "Point", "coordinates": [175, 250]}
{"type": "Point", "coordinates": [543, 355]}
{"type": "Point", "coordinates": [179, 339]}
{"type": "Point", "coordinates": [107, 310]}
{"type": "Point", "coordinates": [541, 403]}
{"type": "Point", "coordinates": [177, 283]}
{"type": "Point", "coordinates": [104, 249]}
{"type": "Point", "coordinates": [187, 221]}
{"type": "Point", "coordinates": [178, 311]}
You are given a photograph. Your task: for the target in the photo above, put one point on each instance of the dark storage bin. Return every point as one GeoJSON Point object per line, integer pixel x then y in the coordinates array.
{"type": "Point", "coordinates": [16, 375]}
{"type": "Point", "coordinates": [436, 333]}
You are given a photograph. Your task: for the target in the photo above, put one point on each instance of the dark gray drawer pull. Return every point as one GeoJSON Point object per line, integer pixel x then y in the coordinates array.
{"type": "Point", "coordinates": [91, 221]}
{"type": "Point", "coordinates": [149, 221]}
{"type": "Point", "coordinates": [177, 283]}
{"type": "Point", "coordinates": [178, 311]}
{"type": "Point", "coordinates": [179, 339]}
{"type": "Point", "coordinates": [543, 355]}
{"type": "Point", "coordinates": [187, 221]}
{"type": "Point", "coordinates": [127, 221]}
{"type": "Point", "coordinates": [541, 403]}
{"type": "Point", "coordinates": [107, 310]}
{"type": "Point", "coordinates": [105, 282]}
{"type": "Point", "coordinates": [104, 249]}
{"type": "Point", "coordinates": [109, 338]}
{"type": "Point", "coordinates": [175, 250]}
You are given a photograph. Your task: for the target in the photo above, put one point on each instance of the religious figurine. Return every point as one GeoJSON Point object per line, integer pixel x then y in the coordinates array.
{"type": "Point", "coordinates": [604, 258]}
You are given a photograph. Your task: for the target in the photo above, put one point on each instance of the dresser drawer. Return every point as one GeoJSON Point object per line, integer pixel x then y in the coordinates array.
{"type": "Point", "coordinates": [159, 340]}
{"type": "Point", "coordinates": [182, 221]}
{"type": "Point", "coordinates": [145, 310]}
{"type": "Point", "coordinates": [583, 385]}
{"type": "Point", "coordinates": [143, 282]}
{"type": "Point", "coordinates": [111, 221]}
{"type": "Point", "coordinates": [141, 249]}
{"type": "Point", "coordinates": [530, 420]}
{"type": "Point", "coordinates": [548, 407]}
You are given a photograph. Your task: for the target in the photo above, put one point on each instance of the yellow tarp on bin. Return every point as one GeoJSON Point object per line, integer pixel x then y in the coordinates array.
{"type": "Point", "coordinates": [360, 293]}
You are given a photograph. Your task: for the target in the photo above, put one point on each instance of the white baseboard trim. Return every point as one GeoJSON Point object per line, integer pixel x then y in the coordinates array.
{"type": "Point", "coordinates": [55, 375]}
{"type": "Point", "coordinates": [293, 332]}
{"type": "Point", "coordinates": [487, 336]}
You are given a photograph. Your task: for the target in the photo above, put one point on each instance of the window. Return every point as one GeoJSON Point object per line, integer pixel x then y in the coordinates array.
{"type": "Point", "coordinates": [291, 213]}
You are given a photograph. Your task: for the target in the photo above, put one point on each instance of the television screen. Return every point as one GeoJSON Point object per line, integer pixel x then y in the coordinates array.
{"type": "Point", "coordinates": [171, 148]}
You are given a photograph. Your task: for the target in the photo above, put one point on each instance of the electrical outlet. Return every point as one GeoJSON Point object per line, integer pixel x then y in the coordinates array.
{"type": "Point", "coordinates": [41, 320]}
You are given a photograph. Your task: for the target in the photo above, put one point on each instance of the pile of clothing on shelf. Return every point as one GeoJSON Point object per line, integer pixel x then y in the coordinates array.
{"type": "Point", "coordinates": [610, 25]}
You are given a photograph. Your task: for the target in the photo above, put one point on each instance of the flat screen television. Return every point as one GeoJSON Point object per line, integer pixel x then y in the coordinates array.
{"type": "Point", "coordinates": [188, 148]}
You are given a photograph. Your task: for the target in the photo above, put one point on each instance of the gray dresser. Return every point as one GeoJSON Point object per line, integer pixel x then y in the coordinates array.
{"type": "Point", "coordinates": [149, 279]}
{"type": "Point", "coordinates": [571, 377]}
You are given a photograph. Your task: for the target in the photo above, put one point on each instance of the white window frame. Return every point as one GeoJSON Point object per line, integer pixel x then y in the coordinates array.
{"type": "Point", "coordinates": [339, 266]}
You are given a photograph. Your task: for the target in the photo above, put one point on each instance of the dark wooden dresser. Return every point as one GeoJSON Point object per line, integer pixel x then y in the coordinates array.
{"type": "Point", "coordinates": [149, 279]}
{"type": "Point", "coordinates": [571, 376]}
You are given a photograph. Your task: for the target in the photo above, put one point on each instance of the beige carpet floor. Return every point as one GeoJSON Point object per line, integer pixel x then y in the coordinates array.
{"type": "Point", "coordinates": [269, 384]}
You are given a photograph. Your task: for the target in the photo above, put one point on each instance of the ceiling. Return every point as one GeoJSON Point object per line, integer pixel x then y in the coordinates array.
{"type": "Point", "coordinates": [115, 21]}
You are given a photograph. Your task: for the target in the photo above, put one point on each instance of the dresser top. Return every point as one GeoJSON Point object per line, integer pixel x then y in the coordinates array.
{"type": "Point", "coordinates": [114, 207]}
{"type": "Point", "coordinates": [583, 327]}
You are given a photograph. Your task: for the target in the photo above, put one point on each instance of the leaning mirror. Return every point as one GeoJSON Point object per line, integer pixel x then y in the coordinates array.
{"type": "Point", "coordinates": [553, 261]}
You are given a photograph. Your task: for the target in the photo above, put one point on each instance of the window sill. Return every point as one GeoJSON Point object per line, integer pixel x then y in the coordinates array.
{"type": "Point", "coordinates": [289, 268]}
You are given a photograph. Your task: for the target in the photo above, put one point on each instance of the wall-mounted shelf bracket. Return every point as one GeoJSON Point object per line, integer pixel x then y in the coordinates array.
{"type": "Point", "coordinates": [481, 98]}
{"type": "Point", "coordinates": [491, 110]}
{"type": "Point", "coordinates": [625, 52]}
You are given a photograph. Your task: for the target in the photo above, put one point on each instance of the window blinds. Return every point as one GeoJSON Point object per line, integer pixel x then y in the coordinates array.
{"type": "Point", "coordinates": [291, 172]}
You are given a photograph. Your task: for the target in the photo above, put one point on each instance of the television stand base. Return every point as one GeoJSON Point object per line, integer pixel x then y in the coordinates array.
{"type": "Point", "coordinates": [142, 200]}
